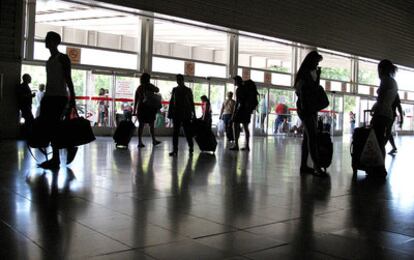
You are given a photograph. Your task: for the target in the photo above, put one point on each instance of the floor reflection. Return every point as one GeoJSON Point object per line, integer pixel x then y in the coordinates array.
{"type": "Point", "coordinates": [142, 204]}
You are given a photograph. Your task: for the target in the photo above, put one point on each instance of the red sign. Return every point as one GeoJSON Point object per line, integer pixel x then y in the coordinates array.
{"type": "Point", "coordinates": [74, 54]}
{"type": "Point", "coordinates": [327, 85]}
{"type": "Point", "coordinates": [189, 68]}
{"type": "Point", "coordinates": [268, 77]}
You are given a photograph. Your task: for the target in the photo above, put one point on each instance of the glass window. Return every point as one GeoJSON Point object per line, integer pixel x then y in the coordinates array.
{"type": "Point", "coordinates": [209, 70]}
{"type": "Point", "coordinates": [167, 65]}
{"type": "Point", "coordinates": [165, 87]}
{"type": "Point", "coordinates": [199, 89]}
{"type": "Point", "coordinates": [281, 79]}
{"type": "Point", "coordinates": [217, 96]}
{"type": "Point", "coordinates": [91, 56]}
{"type": "Point", "coordinates": [189, 42]}
{"type": "Point", "coordinates": [264, 54]}
{"type": "Point", "coordinates": [405, 79]}
{"type": "Point", "coordinates": [101, 101]}
{"type": "Point", "coordinates": [367, 73]}
{"type": "Point", "coordinates": [280, 96]}
{"type": "Point", "coordinates": [335, 67]}
{"type": "Point", "coordinates": [88, 25]}
{"type": "Point", "coordinates": [124, 97]}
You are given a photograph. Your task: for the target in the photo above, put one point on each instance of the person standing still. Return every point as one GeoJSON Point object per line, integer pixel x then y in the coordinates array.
{"type": "Point", "coordinates": [306, 82]}
{"type": "Point", "coordinates": [56, 99]}
{"type": "Point", "coordinates": [146, 114]}
{"type": "Point", "coordinates": [181, 110]}
{"type": "Point", "coordinates": [24, 99]}
{"type": "Point", "coordinates": [352, 121]}
{"type": "Point", "coordinates": [226, 113]}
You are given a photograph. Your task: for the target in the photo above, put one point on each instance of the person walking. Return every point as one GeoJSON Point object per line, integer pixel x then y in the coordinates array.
{"type": "Point", "coordinates": [246, 102]}
{"type": "Point", "coordinates": [145, 112]}
{"type": "Point", "coordinates": [383, 110]}
{"type": "Point", "coordinates": [56, 99]}
{"type": "Point", "coordinates": [206, 109]}
{"type": "Point", "coordinates": [396, 105]}
{"type": "Point", "coordinates": [226, 113]}
{"type": "Point", "coordinates": [24, 99]}
{"type": "Point", "coordinates": [181, 110]}
{"type": "Point", "coordinates": [306, 83]}
{"type": "Point", "coordinates": [352, 121]}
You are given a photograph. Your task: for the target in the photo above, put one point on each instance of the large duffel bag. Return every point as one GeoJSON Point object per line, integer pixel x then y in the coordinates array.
{"type": "Point", "coordinates": [124, 133]}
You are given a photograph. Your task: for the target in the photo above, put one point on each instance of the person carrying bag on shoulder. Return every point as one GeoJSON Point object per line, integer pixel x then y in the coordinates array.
{"type": "Point", "coordinates": [311, 99]}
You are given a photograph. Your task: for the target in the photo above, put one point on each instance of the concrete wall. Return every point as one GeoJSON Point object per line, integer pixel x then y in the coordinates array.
{"type": "Point", "coordinates": [10, 64]}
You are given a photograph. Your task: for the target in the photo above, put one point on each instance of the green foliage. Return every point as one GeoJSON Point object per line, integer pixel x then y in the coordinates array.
{"type": "Point", "coordinates": [350, 104]}
{"type": "Point", "coordinates": [366, 76]}
{"type": "Point", "coordinates": [79, 82]}
{"type": "Point", "coordinates": [336, 73]}
{"type": "Point", "coordinates": [276, 68]}
{"type": "Point", "coordinates": [102, 81]}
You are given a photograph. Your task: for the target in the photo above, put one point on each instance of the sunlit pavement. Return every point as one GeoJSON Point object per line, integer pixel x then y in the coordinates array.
{"type": "Point", "coordinates": [142, 204]}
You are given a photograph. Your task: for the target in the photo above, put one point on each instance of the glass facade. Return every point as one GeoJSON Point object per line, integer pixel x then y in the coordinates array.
{"type": "Point", "coordinates": [107, 61]}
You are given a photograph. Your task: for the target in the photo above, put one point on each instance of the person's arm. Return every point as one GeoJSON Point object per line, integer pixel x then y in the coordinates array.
{"type": "Point", "coordinates": [400, 112]}
{"type": "Point", "coordinates": [67, 73]}
{"type": "Point", "coordinates": [136, 102]}
{"type": "Point", "coordinates": [221, 110]}
{"type": "Point", "coordinates": [171, 106]}
{"type": "Point", "coordinates": [192, 102]}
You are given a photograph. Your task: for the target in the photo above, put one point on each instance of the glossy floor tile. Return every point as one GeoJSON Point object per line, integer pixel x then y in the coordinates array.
{"type": "Point", "coordinates": [142, 204]}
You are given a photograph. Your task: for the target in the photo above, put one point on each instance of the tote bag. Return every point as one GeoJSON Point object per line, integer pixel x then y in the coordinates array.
{"type": "Point", "coordinates": [371, 155]}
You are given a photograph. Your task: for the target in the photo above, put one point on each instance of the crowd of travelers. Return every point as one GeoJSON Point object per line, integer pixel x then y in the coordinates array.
{"type": "Point", "coordinates": [57, 101]}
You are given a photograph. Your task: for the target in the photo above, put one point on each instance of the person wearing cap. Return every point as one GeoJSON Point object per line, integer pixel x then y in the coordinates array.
{"type": "Point", "coordinates": [306, 81]}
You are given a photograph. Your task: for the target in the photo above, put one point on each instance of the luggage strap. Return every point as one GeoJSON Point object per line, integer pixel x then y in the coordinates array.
{"type": "Point", "coordinates": [42, 150]}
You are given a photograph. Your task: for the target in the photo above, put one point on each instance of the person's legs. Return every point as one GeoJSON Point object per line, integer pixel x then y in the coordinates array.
{"type": "Point", "coordinates": [188, 135]}
{"type": "Point", "coordinates": [380, 127]}
{"type": "Point", "coordinates": [52, 111]}
{"type": "Point", "coordinates": [247, 135]}
{"type": "Point", "coordinates": [27, 115]}
{"type": "Point", "coordinates": [152, 131]}
{"type": "Point", "coordinates": [140, 131]}
{"type": "Point", "coordinates": [304, 168]}
{"type": "Point", "coordinates": [390, 138]}
{"type": "Point", "coordinates": [176, 132]}
{"type": "Point", "coordinates": [236, 133]}
{"type": "Point", "coordinates": [310, 124]}
{"type": "Point", "coordinates": [279, 121]}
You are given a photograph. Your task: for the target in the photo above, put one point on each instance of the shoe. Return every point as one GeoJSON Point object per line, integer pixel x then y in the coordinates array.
{"type": "Point", "coordinates": [306, 170]}
{"type": "Point", "coordinates": [141, 145]}
{"type": "Point", "coordinates": [154, 143]}
{"type": "Point", "coordinates": [234, 148]}
{"type": "Point", "coordinates": [71, 153]}
{"type": "Point", "coordinates": [393, 151]}
{"type": "Point", "coordinates": [51, 165]}
{"type": "Point", "coordinates": [245, 149]}
{"type": "Point", "coordinates": [318, 172]}
{"type": "Point", "coordinates": [174, 153]}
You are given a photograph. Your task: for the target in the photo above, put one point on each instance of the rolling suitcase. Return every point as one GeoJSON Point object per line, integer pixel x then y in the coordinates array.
{"type": "Point", "coordinates": [204, 137]}
{"type": "Point", "coordinates": [359, 139]}
{"type": "Point", "coordinates": [325, 149]}
{"type": "Point", "coordinates": [123, 133]}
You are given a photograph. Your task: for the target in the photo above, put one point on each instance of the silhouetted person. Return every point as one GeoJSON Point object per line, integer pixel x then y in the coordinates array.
{"type": "Point", "coordinates": [206, 109]}
{"type": "Point", "coordinates": [383, 110]}
{"type": "Point", "coordinates": [396, 105]}
{"type": "Point", "coordinates": [306, 82]}
{"type": "Point", "coordinates": [24, 99]}
{"type": "Point", "coordinates": [246, 93]}
{"type": "Point", "coordinates": [39, 96]}
{"type": "Point", "coordinates": [146, 113]}
{"type": "Point", "coordinates": [226, 113]}
{"type": "Point", "coordinates": [56, 99]}
{"type": "Point", "coordinates": [181, 111]}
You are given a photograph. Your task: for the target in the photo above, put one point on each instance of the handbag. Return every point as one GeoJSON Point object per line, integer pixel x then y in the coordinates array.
{"type": "Point", "coordinates": [318, 99]}
{"type": "Point", "coordinates": [74, 131]}
{"type": "Point", "coordinates": [152, 99]}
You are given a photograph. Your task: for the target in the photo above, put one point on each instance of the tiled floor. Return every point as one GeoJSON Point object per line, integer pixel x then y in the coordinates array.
{"type": "Point", "coordinates": [143, 204]}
